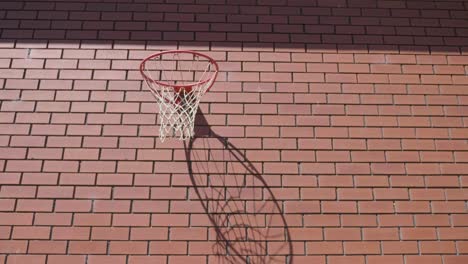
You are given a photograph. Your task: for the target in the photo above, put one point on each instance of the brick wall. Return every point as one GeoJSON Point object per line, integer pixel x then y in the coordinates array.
{"type": "Point", "coordinates": [336, 133]}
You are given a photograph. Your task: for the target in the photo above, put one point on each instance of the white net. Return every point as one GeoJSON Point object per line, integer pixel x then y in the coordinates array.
{"type": "Point", "coordinates": [178, 80]}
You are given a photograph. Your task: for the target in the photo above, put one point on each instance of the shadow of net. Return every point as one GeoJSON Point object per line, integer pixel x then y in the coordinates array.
{"type": "Point", "coordinates": [248, 222]}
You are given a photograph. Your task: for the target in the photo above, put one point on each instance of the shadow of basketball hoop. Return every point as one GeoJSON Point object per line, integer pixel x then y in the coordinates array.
{"type": "Point", "coordinates": [248, 222]}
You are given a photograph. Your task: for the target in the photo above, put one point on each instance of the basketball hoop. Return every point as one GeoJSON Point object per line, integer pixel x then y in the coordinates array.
{"type": "Point", "coordinates": [178, 79]}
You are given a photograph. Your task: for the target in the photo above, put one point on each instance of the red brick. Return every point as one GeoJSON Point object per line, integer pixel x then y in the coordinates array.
{"type": "Point", "coordinates": [372, 78]}
{"type": "Point", "coordinates": [130, 192]}
{"type": "Point", "coordinates": [60, 166]}
{"type": "Point", "coordinates": [185, 259]}
{"type": "Point", "coordinates": [462, 246]}
{"type": "Point", "coordinates": [114, 179]}
{"type": "Point", "coordinates": [294, 109]}
{"type": "Point", "coordinates": [299, 181]}
{"type": "Point", "coordinates": [55, 192]}
{"type": "Point", "coordinates": [84, 130]}
{"type": "Point", "coordinates": [54, 219]}
{"type": "Point", "coordinates": [275, 77]}
{"type": "Point", "coordinates": [111, 206]}
{"type": "Point", "coordinates": [76, 179]}
{"type": "Point", "coordinates": [85, 107]}
{"type": "Point", "coordinates": [385, 259]}
{"type": "Point", "coordinates": [407, 181]}
{"type": "Point", "coordinates": [353, 67]}
{"type": "Point", "coordinates": [391, 194]}
{"type": "Point", "coordinates": [367, 247]}
{"type": "Point", "coordinates": [71, 259]}
{"type": "Point", "coordinates": [81, 219]}
{"type": "Point", "coordinates": [56, 141]}
{"type": "Point", "coordinates": [426, 259]}
{"type": "Point", "coordinates": [338, 207]}
{"type": "Point", "coordinates": [319, 248]}
{"type": "Point", "coordinates": [33, 259]}
{"type": "Point", "coordinates": [399, 247]}
{"type": "Point", "coordinates": [27, 205]}
{"type": "Point", "coordinates": [18, 191]}
{"type": "Point", "coordinates": [110, 233]}
{"type": "Point", "coordinates": [354, 194]}
{"type": "Point", "coordinates": [13, 246]}
{"type": "Point", "coordinates": [128, 247]}
{"type": "Point", "coordinates": [306, 98]}
{"type": "Point", "coordinates": [146, 259]}
{"type": "Point", "coordinates": [328, 109]}
{"type": "Point", "coordinates": [395, 220]}
{"type": "Point", "coordinates": [432, 220]}
{"type": "Point", "coordinates": [47, 247]}
{"type": "Point", "coordinates": [346, 259]}
{"type": "Point", "coordinates": [448, 207]}
{"type": "Point", "coordinates": [381, 234]}
{"type": "Point", "coordinates": [7, 204]}
{"type": "Point", "coordinates": [107, 142]}
{"type": "Point", "coordinates": [412, 206]}
{"type": "Point", "coordinates": [321, 220]}
{"type": "Point", "coordinates": [347, 121]}
{"type": "Point", "coordinates": [151, 233]}
{"type": "Point", "coordinates": [341, 77]}
{"type": "Point", "coordinates": [458, 219]}
{"type": "Point", "coordinates": [257, 109]}
{"type": "Point", "coordinates": [243, 97]}
{"type": "Point", "coordinates": [302, 206]}
{"type": "Point", "coordinates": [97, 166]}
{"type": "Point", "coordinates": [23, 165]}
{"type": "Point", "coordinates": [369, 58]}
{"type": "Point", "coordinates": [418, 233]}
{"type": "Point", "coordinates": [335, 156]}
{"type": "Point", "coordinates": [455, 259]}
{"type": "Point", "coordinates": [147, 180]}
{"type": "Point", "coordinates": [168, 247]}
{"type": "Point", "coordinates": [286, 168]}
{"type": "Point", "coordinates": [169, 220]}
{"type": "Point", "coordinates": [87, 247]}
{"type": "Point", "coordinates": [427, 194]}
{"type": "Point", "coordinates": [342, 234]}
{"type": "Point", "coordinates": [338, 57]}
{"type": "Point", "coordinates": [306, 234]}
{"type": "Point", "coordinates": [352, 168]}
{"type": "Point", "coordinates": [308, 77]}
{"type": "Point", "coordinates": [452, 168]}
{"type": "Point", "coordinates": [105, 259]}
{"type": "Point", "coordinates": [441, 247]}
{"type": "Point", "coordinates": [10, 178]}
{"type": "Point", "coordinates": [318, 194]}
{"type": "Point", "coordinates": [26, 232]}
{"type": "Point", "coordinates": [47, 153]}
{"type": "Point", "coordinates": [131, 220]}
{"type": "Point", "coordinates": [193, 233]}
{"type": "Point", "coordinates": [71, 233]}
{"type": "Point", "coordinates": [359, 220]}
{"type": "Point", "coordinates": [262, 132]}
{"type": "Point", "coordinates": [335, 181]}
{"type": "Point", "coordinates": [456, 194]}
{"type": "Point", "coordinates": [446, 233]}
{"type": "Point", "coordinates": [93, 192]}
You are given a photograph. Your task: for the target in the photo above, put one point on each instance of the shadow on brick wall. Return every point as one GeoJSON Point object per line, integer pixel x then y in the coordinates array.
{"type": "Point", "coordinates": [248, 222]}
{"type": "Point", "coordinates": [355, 25]}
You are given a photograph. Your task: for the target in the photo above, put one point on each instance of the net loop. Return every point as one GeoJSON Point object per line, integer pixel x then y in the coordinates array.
{"type": "Point", "coordinates": [178, 79]}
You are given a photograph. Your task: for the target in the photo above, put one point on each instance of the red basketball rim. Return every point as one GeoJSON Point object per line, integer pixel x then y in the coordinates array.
{"type": "Point", "coordinates": [177, 88]}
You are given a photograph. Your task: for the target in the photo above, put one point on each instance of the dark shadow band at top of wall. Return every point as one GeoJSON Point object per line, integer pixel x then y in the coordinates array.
{"type": "Point", "coordinates": [361, 26]}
